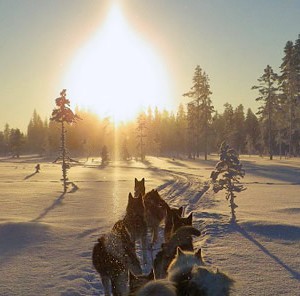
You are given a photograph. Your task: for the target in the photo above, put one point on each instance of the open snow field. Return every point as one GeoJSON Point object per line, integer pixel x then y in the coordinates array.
{"type": "Point", "coordinates": [46, 238]}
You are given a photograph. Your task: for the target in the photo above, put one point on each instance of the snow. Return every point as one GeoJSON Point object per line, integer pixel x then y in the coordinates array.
{"type": "Point", "coordinates": [46, 238]}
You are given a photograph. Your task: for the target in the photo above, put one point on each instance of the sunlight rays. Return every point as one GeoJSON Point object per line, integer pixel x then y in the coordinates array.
{"type": "Point", "coordinates": [117, 74]}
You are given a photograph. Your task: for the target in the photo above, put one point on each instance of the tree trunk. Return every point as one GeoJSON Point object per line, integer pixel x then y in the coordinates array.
{"type": "Point", "coordinates": [63, 154]}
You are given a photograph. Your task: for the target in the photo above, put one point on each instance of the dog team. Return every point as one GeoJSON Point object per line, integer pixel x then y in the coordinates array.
{"type": "Point", "coordinates": [177, 269]}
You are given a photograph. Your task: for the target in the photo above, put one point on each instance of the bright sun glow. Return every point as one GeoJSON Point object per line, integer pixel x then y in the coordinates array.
{"type": "Point", "coordinates": [117, 74]}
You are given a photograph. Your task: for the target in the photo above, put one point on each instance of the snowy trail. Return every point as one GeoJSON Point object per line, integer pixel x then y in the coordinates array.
{"type": "Point", "coordinates": [46, 239]}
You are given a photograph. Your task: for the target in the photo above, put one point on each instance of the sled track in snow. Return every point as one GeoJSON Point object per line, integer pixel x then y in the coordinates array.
{"type": "Point", "coordinates": [184, 189]}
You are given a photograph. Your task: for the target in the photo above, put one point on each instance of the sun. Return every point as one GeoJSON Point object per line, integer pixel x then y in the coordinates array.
{"type": "Point", "coordinates": [117, 74]}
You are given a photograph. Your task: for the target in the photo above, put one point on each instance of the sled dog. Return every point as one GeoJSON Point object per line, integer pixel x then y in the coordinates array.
{"type": "Point", "coordinates": [139, 187]}
{"type": "Point", "coordinates": [113, 256]}
{"type": "Point", "coordinates": [158, 288]}
{"type": "Point", "coordinates": [169, 220]}
{"type": "Point", "coordinates": [181, 238]}
{"type": "Point", "coordinates": [155, 211]}
{"type": "Point", "coordinates": [135, 223]}
{"type": "Point", "coordinates": [205, 281]}
{"type": "Point", "coordinates": [180, 269]}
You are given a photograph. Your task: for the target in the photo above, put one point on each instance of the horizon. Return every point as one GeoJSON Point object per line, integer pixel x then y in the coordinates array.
{"type": "Point", "coordinates": [41, 43]}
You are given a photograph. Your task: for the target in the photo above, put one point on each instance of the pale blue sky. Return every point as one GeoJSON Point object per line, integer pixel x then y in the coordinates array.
{"type": "Point", "coordinates": [231, 40]}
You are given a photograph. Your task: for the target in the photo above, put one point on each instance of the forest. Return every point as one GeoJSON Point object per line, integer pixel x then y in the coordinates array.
{"type": "Point", "coordinates": [196, 129]}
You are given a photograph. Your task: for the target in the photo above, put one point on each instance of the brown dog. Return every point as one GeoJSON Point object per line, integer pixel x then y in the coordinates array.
{"type": "Point", "coordinates": [155, 211]}
{"type": "Point", "coordinates": [169, 220]}
{"type": "Point", "coordinates": [135, 222]}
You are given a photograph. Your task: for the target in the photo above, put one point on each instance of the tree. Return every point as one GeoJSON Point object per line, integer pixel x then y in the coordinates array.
{"type": "Point", "coordinates": [200, 94]}
{"type": "Point", "coordinates": [124, 150]}
{"type": "Point", "coordinates": [16, 141]}
{"type": "Point", "coordinates": [252, 132]}
{"type": "Point", "coordinates": [227, 175]}
{"type": "Point", "coordinates": [267, 91]}
{"type": "Point", "coordinates": [64, 115]}
{"type": "Point", "coordinates": [104, 156]}
{"type": "Point", "coordinates": [238, 135]}
{"type": "Point", "coordinates": [290, 86]}
{"type": "Point", "coordinates": [36, 134]}
{"type": "Point", "coordinates": [141, 128]}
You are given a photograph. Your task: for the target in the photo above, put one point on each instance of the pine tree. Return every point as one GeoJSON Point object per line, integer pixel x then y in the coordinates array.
{"type": "Point", "coordinates": [200, 94]}
{"type": "Point", "coordinates": [64, 115]}
{"type": "Point", "coordinates": [289, 85]}
{"type": "Point", "coordinates": [36, 134]}
{"type": "Point", "coordinates": [141, 134]}
{"type": "Point", "coordinates": [252, 132]}
{"type": "Point", "coordinates": [16, 141]}
{"type": "Point", "coordinates": [104, 155]}
{"type": "Point", "coordinates": [267, 90]}
{"type": "Point", "coordinates": [227, 175]}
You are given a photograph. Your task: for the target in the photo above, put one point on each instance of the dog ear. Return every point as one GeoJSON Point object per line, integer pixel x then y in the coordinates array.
{"type": "Point", "coordinates": [143, 180]}
{"type": "Point", "coordinates": [130, 196]}
{"type": "Point", "coordinates": [180, 211]}
{"type": "Point", "coordinates": [198, 255]}
{"type": "Point", "coordinates": [135, 181]}
{"type": "Point", "coordinates": [179, 252]}
{"type": "Point", "coordinates": [150, 276]}
{"type": "Point", "coordinates": [190, 218]}
{"type": "Point", "coordinates": [132, 278]}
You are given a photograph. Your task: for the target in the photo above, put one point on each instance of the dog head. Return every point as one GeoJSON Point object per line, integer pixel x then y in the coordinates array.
{"type": "Point", "coordinates": [177, 221]}
{"type": "Point", "coordinates": [185, 260]}
{"type": "Point", "coordinates": [153, 199]}
{"type": "Point", "coordinates": [170, 212]}
{"type": "Point", "coordinates": [137, 281]}
{"type": "Point", "coordinates": [135, 204]}
{"type": "Point", "coordinates": [205, 281]}
{"type": "Point", "coordinates": [139, 187]}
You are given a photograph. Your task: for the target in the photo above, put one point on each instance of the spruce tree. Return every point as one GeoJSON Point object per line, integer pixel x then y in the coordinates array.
{"type": "Point", "coordinates": [64, 115]}
{"type": "Point", "coordinates": [289, 82]}
{"type": "Point", "coordinates": [141, 134]}
{"type": "Point", "coordinates": [267, 89]}
{"type": "Point", "coordinates": [200, 95]}
{"type": "Point", "coordinates": [227, 175]}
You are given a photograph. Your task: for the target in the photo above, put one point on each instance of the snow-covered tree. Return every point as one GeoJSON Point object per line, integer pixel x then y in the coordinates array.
{"type": "Point", "coordinates": [227, 175]}
{"type": "Point", "coordinates": [64, 115]}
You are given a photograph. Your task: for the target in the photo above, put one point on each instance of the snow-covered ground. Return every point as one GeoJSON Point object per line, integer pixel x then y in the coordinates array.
{"type": "Point", "coordinates": [46, 239]}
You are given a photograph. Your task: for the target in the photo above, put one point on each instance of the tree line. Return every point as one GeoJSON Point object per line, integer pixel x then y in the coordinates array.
{"type": "Point", "coordinates": [195, 129]}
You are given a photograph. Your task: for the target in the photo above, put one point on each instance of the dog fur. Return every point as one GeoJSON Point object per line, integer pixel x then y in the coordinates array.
{"type": "Point", "coordinates": [113, 256]}
{"type": "Point", "coordinates": [138, 281]}
{"type": "Point", "coordinates": [180, 269]}
{"type": "Point", "coordinates": [181, 238]}
{"type": "Point", "coordinates": [178, 222]}
{"type": "Point", "coordinates": [207, 282]}
{"type": "Point", "coordinates": [155, 211]}
{"type": "Point", "coordinates": [158, 288]}
{"type": "Point", "coordinates": [169, 220]}
{"type": "Point", "coordinates": [135, 222]}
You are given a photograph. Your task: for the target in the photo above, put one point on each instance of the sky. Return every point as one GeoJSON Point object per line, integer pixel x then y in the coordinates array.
{"type": "Point", "coordinates": [231, 40]}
